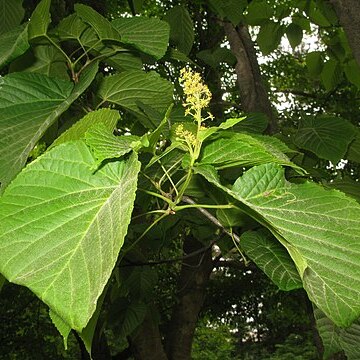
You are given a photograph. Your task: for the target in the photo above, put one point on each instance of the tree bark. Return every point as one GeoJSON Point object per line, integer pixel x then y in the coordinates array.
{"type": "Point", "coordinates": [147, 344]}
{"type": "Point", "coordinates": [254, 96]}
{"type": "Point", "coordinates": [348, 12]}
{"type": "Point", "coordinates": [194, 276]}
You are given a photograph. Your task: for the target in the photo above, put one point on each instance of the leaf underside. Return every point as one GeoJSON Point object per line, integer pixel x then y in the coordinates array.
{"type": "Point", "coordinates": [62, 227]}
{"type": "Point", "coordinates": [319, 228]}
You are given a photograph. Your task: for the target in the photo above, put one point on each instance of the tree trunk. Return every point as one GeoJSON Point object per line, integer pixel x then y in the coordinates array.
{"type": "Point", "coordinates": [348, 12]}
{"type": "Point", "coordinates": [194, 276]}
{"type": "Point", "coordinates": [254, 97]}
{"type": "Point", "coordinates": [147, 344]}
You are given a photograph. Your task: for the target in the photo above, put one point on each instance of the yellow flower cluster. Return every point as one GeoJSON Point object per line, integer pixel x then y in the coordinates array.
{"type": "Point", "coordinates": [197, 94]}
{"type": "Point", "coordinates": [187, 135]}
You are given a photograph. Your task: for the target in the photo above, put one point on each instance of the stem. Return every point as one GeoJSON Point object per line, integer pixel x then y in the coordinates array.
{"type": "Point", "coordinates": [204, 206]}
{"type": "Point", "coordinates": [184, 186]}
{"type": "Point", "coordinates": [147, 230]}
{"type": "Point", "coordinates": [167, 200]}
{"type": "Point", "coordinates": [148, 213]}
{"type": "Point", "coordinates": [213, 219]}
{"type": "Point", "coordinates": [59, 48]}
{"type": "Point", "coordinates": [169, 178]}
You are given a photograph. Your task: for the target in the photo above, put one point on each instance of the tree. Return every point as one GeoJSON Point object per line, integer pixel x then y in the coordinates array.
{"type": "Point", "coordinates": [123, 200]}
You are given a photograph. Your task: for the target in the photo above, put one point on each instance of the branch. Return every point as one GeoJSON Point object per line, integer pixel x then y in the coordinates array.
{"type": "Point", "coordinates": [212, 218]}
{"type": "Point", "coordinates": [169, 261]}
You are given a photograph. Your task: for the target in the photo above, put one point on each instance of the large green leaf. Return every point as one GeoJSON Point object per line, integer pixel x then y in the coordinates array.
{"type": "Point", "coordinates": [104, 116]}
{"type": "Point", "coordinates": [2, 282]}
{"type": "Point", "coordinates": [29, 104]}
{"type": "Point", "coordinates": [314, 62]}
{"type": "Point", "coordinates": [258, 12]}
{"type": "Point", "coordinates": [329, 333]}
{"type": "Point", "coordinates": [347, 185]}
{"type": "Point", "coordinates": [44, 59]}
{"type": "Point", "coordinates": [354, 148]}
{"type": "Point", "coordinates": [62, 327]}
{"type": "Point", "coordinates": [327, 137]}
{"type": "Point", "coordinates": [230, 9]}
{"type": "Point", "coordinates": [336, 339]}
{"type": "Point", "coordinates": [254, 123]}
{"type": "Point", "coordinates": [319, 228]}
{"type": "Point", "coordinates": [244, 150]}
{"type": "Point", "coordinates": [269, 36]}
{"type": "Point", "coordinates": [40, 20]}
{"type": "Point", "coordinates": [116, 56]}
{"type": "Point", "coordinates": [131, 87]}
{"type": "Point", "coordinates": [148, 35]}
{"type": "Point", "coordinates": [11, 14]}
{"type": "Point", "coordinates": [181, 28]}
{"type": "Point", "coordinates": [87, 334]}
{"type": "Point", "coordinates": [215, 57]}
{"type": "Point", "coordinates": [272, 258]}
{"type": "Point", "coordinates": [71, 28]}
{"type": "Point", "coordinates": [107, 146]}
{"type": "Point", "coordinates": [13, 44]}
{"type": "Point", "coordinates": [101, 25]}
{"type": "Point", "coordinates": [331, 74]}
{"type": "Point", "coordinates": [294, 34]}
{"type": "Point", "coordinates": [62, 227]}
{"type": "Point", "coordinates": [352, 72]}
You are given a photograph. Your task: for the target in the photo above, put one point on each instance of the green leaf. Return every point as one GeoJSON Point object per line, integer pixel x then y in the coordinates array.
{"type": "Point", "coordinates": [11, 15]}
{"type": "Point", "coordinates": [131, 87]}
{"type": "Point", "coordinates": [128, 317]}
{"type": "Point", "coordinates": [13, 44]}
{"type": "Point", "coordinates": [319, 228]}
{"type": "Point", "coordinates": [258, 12]}
{"type": "Point", "coordinates": [272, 258]}
{"type": "Point", "coordinates": [44, 59]}
{"type": "Point", "coordinates": [2, 282]}
{"type": "Point", "coordinates": [254, 123]}
{"type": "Point", "coordinates": [115, 56]}
{"type": "Point", "coordinates": [62, 227]}
{"type": "Point", "coordinates": [329, 333]}
{"type": "Point", "coordinates": [87, 334]}
{"type": "Point", "coordinates": [71, 28]}
{"type": "Point", "coordinates": [107, 146]}
{"type": "Point", "coordinates": [326, 137]}
{"type": "Point", "coordinates": [206, 132]}
{"type": "Point", "coordinates": [269, 37]}
{"type": "Point", "coordinates": [336, 339]}
{"type": "Point", "coordinates": [63, 328]}
{"type": "Point", "coordinates": [123, 61]}
{"type": "Point", "coordinates": [107, 117]}
{"type": "Point", "coordinates": [347, 186]}
{"type": "Point", "coordinates": [349, 340]}
{"type": "Point", "coordinates": [232, 217]}
{"type": "Point", "coordinates": [352, 72]}
{"type": "Point", "coordinates": [314, 62]}
{"type": "Point", "coordinates": [229, 9]}
{"type": "Point", "coordinates": [181, 28]}
{"type": "Point", "coordinates": [141, 282]}
{"type": "Point", "coordinates": [40, 20]}
{"type": "Point", "coordinates": [354, 149]}
{"type": "Point", "coordinates": [294, 34]}
{"type": "Point", "coordinates": [243, 150]}
{"type": "Point", "coordinates": [215, 57]}
{"type": "Point", "coordinates": [103, 28]}
{"type": "Point", "coordinates": [148, 35]}
{"type": "Point", "coordinates": [38, 100]}
{"type": "Point", "coordinates": [331, 74]}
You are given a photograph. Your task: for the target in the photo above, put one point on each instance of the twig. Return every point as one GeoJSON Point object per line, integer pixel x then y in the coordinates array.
{"type": "Point", "coordinates": [212, 218]}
